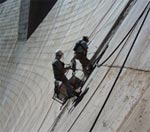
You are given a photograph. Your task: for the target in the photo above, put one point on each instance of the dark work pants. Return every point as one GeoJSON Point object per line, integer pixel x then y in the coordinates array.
{"type": "Point", "coordinates": [66, 82]}
{"type": "Point", "coordinates": [83, 60]}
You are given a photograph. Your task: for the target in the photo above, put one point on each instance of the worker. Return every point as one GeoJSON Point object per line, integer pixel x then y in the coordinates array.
{"type": "Point", "coordinates": [80, 53]}
{"type": "Point", "coordinates": [59, 71]}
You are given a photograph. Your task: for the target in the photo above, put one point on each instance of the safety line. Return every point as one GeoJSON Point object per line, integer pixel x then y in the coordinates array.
{"type": "Point", "coordinates": [92, 12]}
{"type": "Point", "coordinates": [93, 93]}
{"type": "Point", "coordinates": [66, 74]}
{"type": "Point", "coordinates": [101, 20]}
{"type": "Point", "coordinates": [93, 60]}
{"type": "Point", "coordinates": [91, 129]}
{"type": "Point", "coordinates": [109, 34]}
{"type": "Point", "coordinates": [123, 38]}
{"type": "Point", "coordinates": [97, 87]}
{"type": "Point", "coordinates": [95, 28]}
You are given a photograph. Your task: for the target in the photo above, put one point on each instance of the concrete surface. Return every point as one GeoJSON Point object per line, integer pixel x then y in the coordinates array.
{"type": "Point", "coordinates": [26, 76]}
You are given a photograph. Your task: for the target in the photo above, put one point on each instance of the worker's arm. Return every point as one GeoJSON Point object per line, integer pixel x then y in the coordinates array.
{"type": "Point", "coordinates": [68, 66]}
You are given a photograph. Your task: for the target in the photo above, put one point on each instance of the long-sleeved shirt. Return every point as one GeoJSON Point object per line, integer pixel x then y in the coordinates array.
{"type": "Point", "coordinates": [58, 69]}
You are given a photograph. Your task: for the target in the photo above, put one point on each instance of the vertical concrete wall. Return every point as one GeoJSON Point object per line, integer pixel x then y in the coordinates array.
{"type": "Point", "coordinates": [9, 18]}
{"type": "Point", "coordinates": [26, 77]}
{"type": "Point", "coordinates": [13, 27]}
{"type": "Point", "coordinates": [122, 105]}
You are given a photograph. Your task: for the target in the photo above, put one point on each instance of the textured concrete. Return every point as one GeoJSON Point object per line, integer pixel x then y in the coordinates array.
{"type": "Point", "coordinates": [26, 77]}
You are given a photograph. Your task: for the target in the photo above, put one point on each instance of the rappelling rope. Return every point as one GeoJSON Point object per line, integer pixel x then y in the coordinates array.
{"type": "Point", "coordinates": [91, 129]}
{"type": "Point", "coordinates": [95, 92]}
{"type": "Point", "coordinates": [123, 38]}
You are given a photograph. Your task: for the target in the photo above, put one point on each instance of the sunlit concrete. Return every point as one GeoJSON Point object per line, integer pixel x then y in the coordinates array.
{"type": "Point", "coordinates": [26, 77]}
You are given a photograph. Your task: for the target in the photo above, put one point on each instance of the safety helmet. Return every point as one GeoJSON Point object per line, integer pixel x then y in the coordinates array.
{"type": "Point", "coordinates": [58, 52]}
{"type": "Point", "coordinates": [86, 38]}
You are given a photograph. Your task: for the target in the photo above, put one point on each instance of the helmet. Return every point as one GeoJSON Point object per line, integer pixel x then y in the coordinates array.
{"type": "Point", "coordinates": [58, 52]}
{"type": "Point", "coordinates": [86, 38]}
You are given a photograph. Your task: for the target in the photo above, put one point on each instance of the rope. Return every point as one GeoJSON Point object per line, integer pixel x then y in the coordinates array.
{"type": "Point", "coordinates": [115, 25]}
{"type": "Point", "coordinates": [120, 70]}
{"type": "Point", "coordinates": [90, 100]}
{"type": "Point", "coordinates": [91, 96]}
{"type": "Point", "coordinates": [100, 21]}
{"type": "Point", "coordinates": [123, 38]}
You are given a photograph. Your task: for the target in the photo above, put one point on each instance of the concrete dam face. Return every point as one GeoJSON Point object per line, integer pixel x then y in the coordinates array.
{"type": "Point", "coordinates": [118, 96]}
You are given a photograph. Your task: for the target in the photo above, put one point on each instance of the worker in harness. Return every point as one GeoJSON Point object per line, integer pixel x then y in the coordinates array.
{"type": "Point", "coordinates": [59, 71]}
{"type": "Point", "coordinates": [80, 53]}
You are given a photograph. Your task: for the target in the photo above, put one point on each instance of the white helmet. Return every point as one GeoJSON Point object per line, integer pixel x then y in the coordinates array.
{"type": "Point", "coordinates": [58, 52]}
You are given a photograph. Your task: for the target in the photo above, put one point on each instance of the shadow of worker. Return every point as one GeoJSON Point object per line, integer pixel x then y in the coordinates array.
{"type": "Point", "coordinates": [78, 100]}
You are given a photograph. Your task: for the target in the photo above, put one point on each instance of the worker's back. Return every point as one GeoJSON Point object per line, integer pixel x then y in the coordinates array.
{"type": "Point", "coordinates": [58, 69]}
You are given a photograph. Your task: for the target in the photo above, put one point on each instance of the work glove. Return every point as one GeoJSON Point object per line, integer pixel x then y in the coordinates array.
{"type": "Point", "coordinates": [68, 67]}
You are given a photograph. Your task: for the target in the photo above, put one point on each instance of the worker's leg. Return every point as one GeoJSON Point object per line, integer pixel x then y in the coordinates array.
{"type": "Point", "coordinates": [68, 86]}
{"type": "Point", "coordinates": [85, 62]}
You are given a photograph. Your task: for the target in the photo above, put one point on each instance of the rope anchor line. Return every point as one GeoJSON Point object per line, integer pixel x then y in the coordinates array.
{"type": "Point", "coordinates": [127, 56]}
{"type": "Point", "coordinates": [130, 31]}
